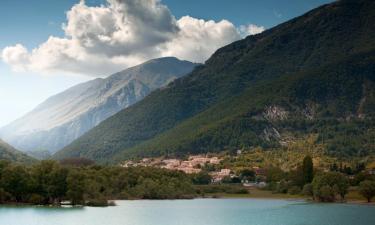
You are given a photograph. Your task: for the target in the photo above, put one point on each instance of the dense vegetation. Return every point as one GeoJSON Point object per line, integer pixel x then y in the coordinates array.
{"type": "Point", "coordinates": [241, 123]}
{"type": "Point", "coordinates": [81, 182]}
{"type": "Point", "coordinates": [49, 182]}
{"type": "Point", "coordinates": [7, 152]}
{"type": "Point", "coordinates": [316, 71]}
{"type": "Point", "coordinates": [321, 186]}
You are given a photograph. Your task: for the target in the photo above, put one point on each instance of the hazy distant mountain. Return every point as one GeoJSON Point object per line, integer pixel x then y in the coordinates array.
{"type": "Point", "coordinates": [9, 153]}
{"type": "Point", "coordinates": [313, 75]}
{"type": "Point", "coordinates": [66, 116]}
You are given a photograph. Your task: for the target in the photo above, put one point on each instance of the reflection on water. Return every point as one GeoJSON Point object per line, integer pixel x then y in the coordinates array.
{"type": "Point", "coordinates": [194, 212]}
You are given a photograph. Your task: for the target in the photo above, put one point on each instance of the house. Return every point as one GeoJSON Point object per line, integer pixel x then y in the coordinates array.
{"type": "Point", "coordinates": [215, 160]}
{"type": "Point", "coordinates": [189, 170]}
{"type": "Point", "coordinates": [217, 177]}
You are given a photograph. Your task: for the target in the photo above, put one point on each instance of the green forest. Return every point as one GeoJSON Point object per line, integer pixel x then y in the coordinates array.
{"type": "Point", "coordinates": [319, 76]}
{"type": "Point", "coordinates": [81, 182]}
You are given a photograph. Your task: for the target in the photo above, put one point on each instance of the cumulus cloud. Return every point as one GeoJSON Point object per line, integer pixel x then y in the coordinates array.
{"type": "Point", "coordinates": [16, 56]}
{"type": "Point", "coordinates": [250, 29]}
{"type": "Point", "coordinates": [198, 39]}
{"type": "Point", "coordinates": [103, 39]}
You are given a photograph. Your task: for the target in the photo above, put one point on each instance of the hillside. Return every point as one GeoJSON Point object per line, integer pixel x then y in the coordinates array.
{"type": "Point", "coordinates": [66, 116]}
{"type": "Point", "coordinates": [9, 153]}
{"type": "Point", "coordinates": [313, 74]}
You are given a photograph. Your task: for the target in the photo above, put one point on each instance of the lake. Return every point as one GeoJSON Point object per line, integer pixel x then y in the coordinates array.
{"type": "Point", "coordinates": [195, 212]}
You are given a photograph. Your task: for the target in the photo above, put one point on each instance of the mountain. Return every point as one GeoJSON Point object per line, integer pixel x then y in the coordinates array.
{"type": "Point", "coordinates": [9, 153]}
{"type": "Point", "coordinates": [66, 116]}
{"type": "Point", "coordinates": [311, 75]}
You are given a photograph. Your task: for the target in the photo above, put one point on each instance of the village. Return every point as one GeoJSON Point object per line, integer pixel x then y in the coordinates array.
{"type": "Point", "coordinates": [195, 164]}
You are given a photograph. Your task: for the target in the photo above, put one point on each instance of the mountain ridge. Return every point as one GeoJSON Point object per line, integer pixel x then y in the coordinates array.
{"type": "Point", "coordinates": [9, 153]}
{"type": "Point", "coordinates": [324, 36]}
{"type": "Point", "coordinates": [67, 115]}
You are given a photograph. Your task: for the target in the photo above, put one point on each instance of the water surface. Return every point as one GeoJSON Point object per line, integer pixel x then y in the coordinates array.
{"type": "Point", "coordinates": [195, 212]}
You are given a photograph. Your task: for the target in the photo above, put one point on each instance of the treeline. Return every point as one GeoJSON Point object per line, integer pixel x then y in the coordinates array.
{"type": "Point", "coordinates": [320, 185]}
{"type": "Point", "coordinates": [49, 182]}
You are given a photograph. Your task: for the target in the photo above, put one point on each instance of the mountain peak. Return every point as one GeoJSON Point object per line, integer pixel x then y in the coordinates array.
{"type": "Point", "coordinates": [66, 116]}
{"type": "Point", "coordinates": [310, 67]}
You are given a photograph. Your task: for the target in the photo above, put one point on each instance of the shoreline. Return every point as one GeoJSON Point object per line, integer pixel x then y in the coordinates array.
{"type": "Point", "coordinates": [220, 197]}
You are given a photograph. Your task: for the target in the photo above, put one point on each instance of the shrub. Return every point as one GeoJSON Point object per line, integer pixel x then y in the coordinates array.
{"type": "Point", "coordinates": [308, 190]}
{"type": "Point", "coordinates": [295, 190]}
{"type": "Point", "coordinates": [367, 189]}
{"type": "Point", "coordinates": [36, 199]}
{"type": "Point", "coordinates": [337, 183]}
{"type": "Point", "coordinates": [326, 194]}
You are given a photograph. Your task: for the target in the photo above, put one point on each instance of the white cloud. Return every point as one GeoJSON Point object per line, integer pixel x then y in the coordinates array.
{"type": "Point", "coordinates": [16, 56]}
{"type": "Point", "coordinates": [198, 39]}
{"type": "Point", "coordinates": [250, 29]}
{"type": "Point", "coordinates": [107, 38]}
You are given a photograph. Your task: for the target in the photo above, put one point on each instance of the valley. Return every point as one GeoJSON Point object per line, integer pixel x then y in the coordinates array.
{"type": "Point", "coordinates": [252, 124]}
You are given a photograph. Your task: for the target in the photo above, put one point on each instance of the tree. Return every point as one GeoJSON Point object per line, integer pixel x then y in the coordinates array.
{"type": "Point", "coordinates": [247, 174]}
{"type": "Point", "coordinates": [202, 178]}
{"type": "Point", "coordinates": [16, 181]}
{"type": "Point", "coordinates": [308, 190]}
{"type": "Point", "coordinates": [76, 187]}
{"type": "Point", "coordinates": [326, 194]}
{"type": "Point", "coordinates": [307, 169]}
{"type": "Point", "coordinates": [49, 181]}
{"type": "Point", "coordinates": [342, 186]}
{"type": "Point", "coordinates": [367, 189]}
{"type": "Point", "coordinates": [275, 174]}
{"type": "Point", "coordinates": [336, 182]}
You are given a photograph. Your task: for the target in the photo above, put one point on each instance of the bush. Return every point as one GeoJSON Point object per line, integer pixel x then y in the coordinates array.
{"type": "Point", "coordinates": [295, 190]}
{"type": "Point", "coordinates": [36, 199]}
{"type": "Point", "coordinates": [367, 189]}
{"type": "Point", "coordinates": [308, 190]}
{"type": "Point", "coordinates": [101, 202]}
{"type": "Point", "coordinates": [202, 178]}
{"type": "Point", "coordinates": [282, 187]}
{"type": "Point", "coordinates": [4, 196]}
{"type": "Point", "coordinates": [327, 185]}
{"type": "Point", "coordinates": [326, 194]}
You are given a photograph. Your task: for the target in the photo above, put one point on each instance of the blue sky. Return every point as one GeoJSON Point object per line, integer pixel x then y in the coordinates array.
{"type": "Point", "coordinates": [31, 22]}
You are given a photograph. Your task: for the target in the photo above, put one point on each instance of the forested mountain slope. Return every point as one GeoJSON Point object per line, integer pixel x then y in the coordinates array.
{"type": "Point", "coordinates": [9, 153]}
{"type": "Point", "coordinates": [314, 73]}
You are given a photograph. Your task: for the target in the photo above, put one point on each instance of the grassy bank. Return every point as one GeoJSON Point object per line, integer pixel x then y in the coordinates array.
{"type": "Point", "coordinates": [353, 196]}
{"type": "Point", "coordinates": [258, 193]}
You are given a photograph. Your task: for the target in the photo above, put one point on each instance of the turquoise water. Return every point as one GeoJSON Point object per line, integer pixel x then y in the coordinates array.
{"type": "Point", "coordinates": [195, 212]}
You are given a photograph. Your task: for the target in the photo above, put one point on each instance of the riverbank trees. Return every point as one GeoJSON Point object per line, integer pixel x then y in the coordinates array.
{"type": "Point", "coordinates": [49, 182]}
{"type": "Point", "coordinates": [367, 189]}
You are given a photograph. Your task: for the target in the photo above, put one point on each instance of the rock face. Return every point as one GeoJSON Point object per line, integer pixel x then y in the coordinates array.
{"type": "Point", "coordinates": [66, 116]}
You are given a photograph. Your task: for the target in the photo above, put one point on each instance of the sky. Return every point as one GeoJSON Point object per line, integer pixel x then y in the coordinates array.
{"type": "Point", "coordinates": [47, 46]}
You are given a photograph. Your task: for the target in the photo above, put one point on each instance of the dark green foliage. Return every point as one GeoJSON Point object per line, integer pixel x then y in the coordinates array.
{"type": "Point", "coordinates": [294, 190]}
{"type": "Point", "coordinates": [16, 181]}
{"type": "Point", "coordinates": [231, 180]}
{"type": "Point", "coordinates": [221, 188]}
{"type": "Point", "coordinates": [327, 185]}
{"type": "Point", "coordinates": [308, 190]}
{"type": "Point", "coordinates": [318, 67]}
{"type": "Point", "coordinates": [308, 169]}
{"type": "Point", "coordinates": [76, 187]}
{"type": "Point", "coordinates": [367, 189]}
{"type": "Point", "coordinates": [202, 178]}
{"type": "Point", "coordinates": [248, 175]}
{"type": "Point", "coordinates": [275, 174]}
{"type": "Point", "coordinates": [48, 182]}
{"type": "Point", "coordinates": [358, 178]}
